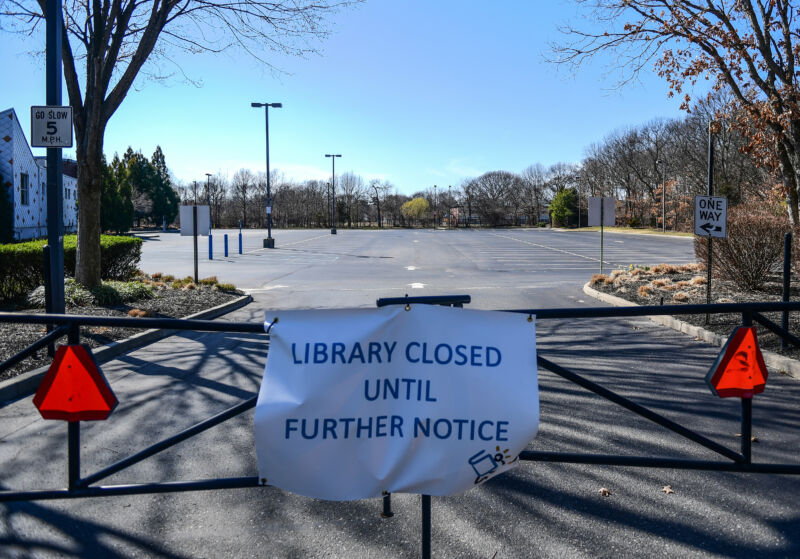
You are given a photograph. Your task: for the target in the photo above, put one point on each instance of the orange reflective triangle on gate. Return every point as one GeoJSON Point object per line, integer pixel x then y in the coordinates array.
{"type": "Point", "coordinates": [739, 370]}
{"type": "Point", "coordinates": [74, 389]}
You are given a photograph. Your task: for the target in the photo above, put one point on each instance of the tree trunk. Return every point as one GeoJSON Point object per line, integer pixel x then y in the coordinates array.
{"type": "Point", "coordinates": [90, 178]}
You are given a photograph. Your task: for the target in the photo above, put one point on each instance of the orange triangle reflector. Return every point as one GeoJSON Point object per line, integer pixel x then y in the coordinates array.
{"type": "Point", "coordinates": [739, 371]}
{"type": "Point", "coordinates": [74, 389]}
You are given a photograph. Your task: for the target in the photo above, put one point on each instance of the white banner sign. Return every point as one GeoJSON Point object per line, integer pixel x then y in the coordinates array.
{"type": "Point", "coordinates": [432, 400]}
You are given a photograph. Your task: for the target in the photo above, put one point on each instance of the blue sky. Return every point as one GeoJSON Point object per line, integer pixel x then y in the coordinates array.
{"type": "Point", "coordinates": [414, 92]}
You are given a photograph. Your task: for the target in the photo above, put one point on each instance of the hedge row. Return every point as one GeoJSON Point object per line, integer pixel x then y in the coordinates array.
{"type": "Point", "coordinates": [21, 264]}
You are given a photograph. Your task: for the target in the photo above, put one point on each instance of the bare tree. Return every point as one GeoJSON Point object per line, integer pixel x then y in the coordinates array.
{"type": "Point", "coordinates": [107, 43]}
{"type": "Point", "coordinates": [749, 47]}
{"type": "Point", "coordinates": [351, 191]}
{"type": "Point", "coordinates": [242, 187]}
{"type": "Point", "coordinates": [534, 181]}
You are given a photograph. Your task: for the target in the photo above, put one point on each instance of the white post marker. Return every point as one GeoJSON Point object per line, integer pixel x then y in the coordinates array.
{"type": "Point", "coordinates": [51, 126]}
{"type": "Point", "coordinates": [431, 400]}
{"type": "Point", "coordinates": [187, 220]}
{"type": "Point", "coordinates": [711, 216]}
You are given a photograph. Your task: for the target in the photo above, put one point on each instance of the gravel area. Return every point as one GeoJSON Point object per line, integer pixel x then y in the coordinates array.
{"type": "Point", "coordinates": [686, 284]}
{"type": "Point", "coordinates": [173, 303]}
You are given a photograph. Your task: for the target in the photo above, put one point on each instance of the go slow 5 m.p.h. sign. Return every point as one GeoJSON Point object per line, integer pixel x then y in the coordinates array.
{"type": "Point", "coordinates": [431, 400]}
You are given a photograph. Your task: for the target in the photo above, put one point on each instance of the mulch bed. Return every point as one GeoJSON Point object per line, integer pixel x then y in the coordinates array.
{"type": "Point", "coordinates": [168, 303]}
{"type": "Point", "coordinates": [676, 285]}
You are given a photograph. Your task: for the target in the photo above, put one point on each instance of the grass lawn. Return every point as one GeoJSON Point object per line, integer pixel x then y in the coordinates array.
{"type": "Point", "coordinates": [634, 231]}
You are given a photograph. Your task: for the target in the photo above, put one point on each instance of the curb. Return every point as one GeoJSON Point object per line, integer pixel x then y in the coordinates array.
{"type": "Point", "coordinates": [775, 361]}
{"type": "Point", "coordinates": [27, 383]}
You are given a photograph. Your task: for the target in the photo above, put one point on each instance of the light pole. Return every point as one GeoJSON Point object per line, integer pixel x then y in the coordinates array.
{"type": "Point", "coordinates": [269, 242]}
{"type": "Point", "coordinates": [449, 206]}
{"type": "Point", "coordinates": [333, 157]}
{"type": "Point", "coordinates": [663, 201]}
{"type": "Point", "coordinates": [328, 184]}
{"type": "Point", "coordinates": [208, 198]}
{"type": "Point", "coordinates": [435, 206]}
{"type": "Point", "coordinates": [378, 205]}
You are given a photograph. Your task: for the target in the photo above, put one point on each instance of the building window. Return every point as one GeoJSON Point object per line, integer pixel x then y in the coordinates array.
{"type": "Point", "coordinates": [24, 196]}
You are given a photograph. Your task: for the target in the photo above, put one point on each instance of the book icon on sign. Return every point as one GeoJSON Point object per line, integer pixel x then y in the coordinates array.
{"type": "Point", "coordinates": [484, 464]}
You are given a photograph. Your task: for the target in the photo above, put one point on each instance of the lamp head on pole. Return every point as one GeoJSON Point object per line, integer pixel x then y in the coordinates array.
{"type": "Point", "coordinates": [273, 105]}
{"type": "Point", "coordinates": [333, 155]}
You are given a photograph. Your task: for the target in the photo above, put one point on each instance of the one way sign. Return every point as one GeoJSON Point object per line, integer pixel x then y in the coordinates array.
{"type": "Point", "coordinates": [711, 216]}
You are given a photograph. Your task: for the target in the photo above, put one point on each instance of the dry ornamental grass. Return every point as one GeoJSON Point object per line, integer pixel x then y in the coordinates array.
{"type": "Point", "coordinates": [667, 284]}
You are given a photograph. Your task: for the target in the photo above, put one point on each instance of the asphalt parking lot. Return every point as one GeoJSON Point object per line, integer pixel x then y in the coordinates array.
{"type": "Point", "coordinates": [538, 510]}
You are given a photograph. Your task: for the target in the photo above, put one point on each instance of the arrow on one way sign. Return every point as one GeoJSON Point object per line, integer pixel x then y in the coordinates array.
{"type": "Point", "coordinates": [708, 227]}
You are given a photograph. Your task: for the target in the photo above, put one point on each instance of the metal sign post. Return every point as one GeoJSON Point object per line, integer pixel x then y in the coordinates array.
{"type": "Point", "coordinates": [57, 124]}
{"type": "Point", "coordinates": [196, 220]}
{"type": "Point", "coordinates": [710, 215]}
{"type": "Point", "coordinates": [602, 213]}
{"type": "Point", "coordinates": [710, 220]}
{"type": "Point", "coordinates": [194, 235]}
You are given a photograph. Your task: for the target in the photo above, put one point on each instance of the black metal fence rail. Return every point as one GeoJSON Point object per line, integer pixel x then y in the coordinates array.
{"type": "Point", "coordinates": [82, 487]}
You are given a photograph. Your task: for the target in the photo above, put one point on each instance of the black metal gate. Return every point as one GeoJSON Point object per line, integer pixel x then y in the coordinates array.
{"type": "Point", "coordinates": [83, 486]}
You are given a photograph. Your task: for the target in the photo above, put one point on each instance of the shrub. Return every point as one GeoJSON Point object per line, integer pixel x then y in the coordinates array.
{"type": "Point", "coordinates": [645, 291]}
{"type": "Point", "coordinates": [21, 264]}
{"type": "Point", "coordinates": [665, 269]}
{"type": "Point", "coordinates": [226, 287]}
{"type": "Point", "coordinates": [680, 297]}
{"type": "Point", "coordinates": [754, 244]}
{"type": "Point", "coordinates": [595, 279]}
{"type": "Point", "coordinates": [118, 292]}
{"type": "Point", "coordinates": [119, 256]}
{"type": "Point", "coordinates": [139, 313]}
{"type": "Point", "coordinates": [209, 281]}
{"type": "Point", "coordinates": [74, 295]}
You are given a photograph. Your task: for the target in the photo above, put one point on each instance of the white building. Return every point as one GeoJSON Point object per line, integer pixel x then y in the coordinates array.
{"type": "Point", "coordinates": [26, 177]}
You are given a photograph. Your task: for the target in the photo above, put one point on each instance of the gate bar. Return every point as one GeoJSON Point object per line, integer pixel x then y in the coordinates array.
{"type": "Point", "coordinates": [139, 323]}
{"type": "Point", "coordinates": [73, 455]}
{"type": "Point", "coordinates": [747, 428]}
{"type": "Point", "coordinates": [657, 462]}
{"type": "Point", "coordinates": [639, 409]}
{"type": "Point", "coordinates": [171, 441]}
{"type": "Point", "coordinates": [426, 526]}
{"type": "Point", "coordinates": [653, 310]}
{"type": "Point", "coordinates": [455, 300]}
{"type": "Point", "coordinates": [34, 347]}
{"type": "Point", "coordinates": [777, 330]}
{"type": "Point", "coordinates": [257, 327]}
{"type": "Point", "coordinates": [131, 489]}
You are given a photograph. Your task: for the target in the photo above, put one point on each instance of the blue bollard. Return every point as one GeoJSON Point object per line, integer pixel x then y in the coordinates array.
{"type": "Point", "coordinates": [240, 243]}
{"type": "Point", "coordinates": [210, 247]}
{"type": "Point", "coordinates": [226, 245]}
